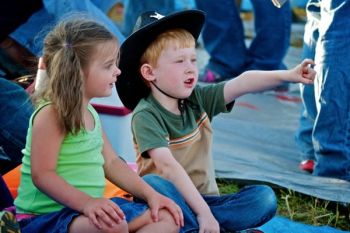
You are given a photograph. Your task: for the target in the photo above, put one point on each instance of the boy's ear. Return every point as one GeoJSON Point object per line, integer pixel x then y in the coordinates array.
{"type": "Point", "coordinates": [147, 72]}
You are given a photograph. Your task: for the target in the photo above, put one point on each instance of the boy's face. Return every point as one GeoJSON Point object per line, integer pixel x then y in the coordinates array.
{"type": "Point", "coordinates": [176, 71]}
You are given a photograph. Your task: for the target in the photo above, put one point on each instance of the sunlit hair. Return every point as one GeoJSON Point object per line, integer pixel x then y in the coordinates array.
{"type": "Point", "coordinates": [178, 38]}
{"type": "Point", "coordinates": [68, 50]}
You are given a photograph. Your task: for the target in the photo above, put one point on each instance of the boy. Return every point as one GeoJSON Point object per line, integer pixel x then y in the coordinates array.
{"type": "Point", "coordinates": [171, 117]}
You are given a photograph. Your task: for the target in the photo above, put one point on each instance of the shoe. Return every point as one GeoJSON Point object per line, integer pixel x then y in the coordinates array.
{"type": "Point", "coordinates": [210, 76]}
{"type": "Point", "coordinates": [8, 223]}
{"type": "Point", "coordinates": [307, 165]}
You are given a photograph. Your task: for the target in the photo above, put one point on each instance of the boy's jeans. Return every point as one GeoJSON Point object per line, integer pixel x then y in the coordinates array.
{"type": "Point", "coordinates": [252, 206]}
{"type": "Point", "coordinates": [326, 118]}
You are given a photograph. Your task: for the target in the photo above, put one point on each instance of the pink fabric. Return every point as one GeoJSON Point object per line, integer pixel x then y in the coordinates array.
{"type": "Point", "coordinates": [19, 217]}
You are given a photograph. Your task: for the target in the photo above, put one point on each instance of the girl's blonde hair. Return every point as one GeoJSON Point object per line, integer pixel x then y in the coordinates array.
{"type": "Point", "coordinates": [68, 49]}
{"type": "Point", "coordinates": [178, 38]}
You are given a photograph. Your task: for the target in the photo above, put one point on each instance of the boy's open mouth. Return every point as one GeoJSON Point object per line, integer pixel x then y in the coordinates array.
{"type": "Point", "coordinates": [189, 81]}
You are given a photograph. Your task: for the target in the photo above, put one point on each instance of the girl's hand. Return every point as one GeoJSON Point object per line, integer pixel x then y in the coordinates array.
{"type": "Point", "coordinates": [102, 211]}
{"type": "Point", "coordinates": [207, 223]}
{"type": "Point", "coordinates": [158, 201]}
{"type": "Point", "coordinates": [304, 72]}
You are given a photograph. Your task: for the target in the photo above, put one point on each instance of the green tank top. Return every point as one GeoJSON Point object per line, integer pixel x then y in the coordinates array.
{"type": "Point", "coordinates": [80, 163]}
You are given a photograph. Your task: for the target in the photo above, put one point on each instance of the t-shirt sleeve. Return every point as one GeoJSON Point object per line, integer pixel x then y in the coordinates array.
{"type": "Point", "coordinates": [212, 99]}
{"type": "Point", "coordinates": [148, 132]}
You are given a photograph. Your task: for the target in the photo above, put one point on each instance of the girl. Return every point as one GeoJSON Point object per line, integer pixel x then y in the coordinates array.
{"type": "Point", "coordinates": [67, 155]}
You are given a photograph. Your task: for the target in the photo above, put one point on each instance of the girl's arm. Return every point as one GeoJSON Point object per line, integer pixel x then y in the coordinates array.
{"type": "Point", "coordinates": [170, 169]}
{"type": "Point", "coordinates": [118, 172]}
{"type": "Point", "coordinates": [47, 137]}
{"type": "Point", "coordinates": [256, 81]}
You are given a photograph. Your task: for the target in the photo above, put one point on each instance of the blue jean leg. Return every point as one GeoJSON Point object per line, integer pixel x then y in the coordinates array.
{"type": "Point", "coordinates": [306, 123]}
{"type": "Point", "coordinates": [271, 42]}
{"type": "Point", "coordinates": [331, 134]}
{"type": "Point", "coordinates": [308, 109]}
{"type": "Point", "coordinates": [133, 8]}
{"type": "Point", "coordinates": [16, 109]}
{"type": "Point", "coordinates": [168, 189]}
{"type": "Point", "coordinates": [223, 37]}
{"type": "Point", "coordinates": [251, 207]}
{"type": "Point", "coordinates": [32, 33]}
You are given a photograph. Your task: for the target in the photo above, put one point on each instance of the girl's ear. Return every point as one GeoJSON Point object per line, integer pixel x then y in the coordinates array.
{"type": "Point", "coordinates": [147, 72]}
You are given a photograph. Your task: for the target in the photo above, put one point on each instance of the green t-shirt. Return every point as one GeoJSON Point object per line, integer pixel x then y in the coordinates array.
{"type": "Point", "coordinates": [189, 137]}
{"type": "Point", "coordinates": [80, 163]}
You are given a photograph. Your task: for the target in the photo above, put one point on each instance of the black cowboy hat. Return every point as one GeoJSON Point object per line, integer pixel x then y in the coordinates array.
{"type": "Point", "coordinates": [130, 86]}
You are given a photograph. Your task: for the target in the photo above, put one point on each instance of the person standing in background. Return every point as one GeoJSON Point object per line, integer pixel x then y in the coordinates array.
{"type": "Point", "coordinates": [324, 132]}
{"type": "Point", "coordinates": [223, 37]}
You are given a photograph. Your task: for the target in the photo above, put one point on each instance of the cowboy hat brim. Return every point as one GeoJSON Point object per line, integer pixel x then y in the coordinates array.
{"type": "Point", "coordinates": [130, 86]}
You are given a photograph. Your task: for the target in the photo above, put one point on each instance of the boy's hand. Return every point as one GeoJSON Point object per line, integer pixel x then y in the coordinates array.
{"type": "Point", "coordinates": [158, 201]}
{"type": "Point", "coordinates": [207, 223]}
{"type": "Point", "coordinates": [304, 73]}
{"type": "Point", "coordinates": [102, 211]}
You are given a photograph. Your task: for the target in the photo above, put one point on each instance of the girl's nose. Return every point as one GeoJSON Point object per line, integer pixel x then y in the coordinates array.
{"type": "Point", "coordinates": [117, 71]}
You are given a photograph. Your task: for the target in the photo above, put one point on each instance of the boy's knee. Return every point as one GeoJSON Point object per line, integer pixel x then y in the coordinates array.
{"type": "Point", "coordinates": [267, 199]}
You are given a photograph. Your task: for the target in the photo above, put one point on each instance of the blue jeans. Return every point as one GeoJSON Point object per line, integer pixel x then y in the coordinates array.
{"type": "Point", "coordinates": [252, 206]}
{"type": "Point", "coordinates": [32, 33]}
{"type": "Point", "coordinates": [133, 8]}
{"type": "Point", "coordinates": [16, 109]}
{"type": "Point", "coordinates": [6, 199]}
{"type": "Point", "coordinates": [324, 132]}
{"type": "Point", "coordinates": [59, 221]}
{"type": "Point", "coordinates": [223, 37]}
{"type": "Point", "coordinates": [168, 189]}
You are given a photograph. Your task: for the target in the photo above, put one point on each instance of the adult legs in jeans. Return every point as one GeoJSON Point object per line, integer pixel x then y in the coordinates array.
{"type": "Point", "coordinates": [331, 128]}
{"type": "Point", "coordinates": [32, 33]}
{"type": "Point", "coordinates": [16, 109]}
{"type": "Point", "coordinates": [223, 37]}
{"type": "Point", "coordinates": [251, 207]}
{"type": "Point", "coordinates": [308, 109]}
{"type": "Point", "coordinates": [166, 188]}
{"type": "Point", "coordinates": [331, 135]}
{"type": "Point", "coordinates": [133, 8]}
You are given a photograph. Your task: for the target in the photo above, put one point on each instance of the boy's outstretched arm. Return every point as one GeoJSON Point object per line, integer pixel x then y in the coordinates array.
{"type": "Point", "coordinates": [256, 80]}
{"type": "Point", "coordinates": [170, 169]}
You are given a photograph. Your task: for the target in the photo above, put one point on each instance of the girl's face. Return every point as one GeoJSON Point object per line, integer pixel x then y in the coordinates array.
{"type": "Point", "coordinates": [102, 71]}
{"type": "Point", "coordinates": [176, 71]}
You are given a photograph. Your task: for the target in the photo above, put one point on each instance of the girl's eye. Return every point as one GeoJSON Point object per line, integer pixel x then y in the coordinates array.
{"type": "Point", "coordinates": [194, 59]}
{"type": "Point", "coordinates": [179, 61]}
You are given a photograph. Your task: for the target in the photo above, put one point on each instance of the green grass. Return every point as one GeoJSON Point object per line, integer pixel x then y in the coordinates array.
{"type": "Point", "coordinates": [303, 208]}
